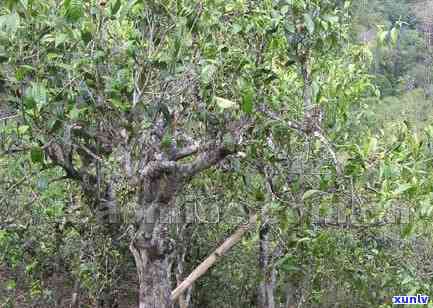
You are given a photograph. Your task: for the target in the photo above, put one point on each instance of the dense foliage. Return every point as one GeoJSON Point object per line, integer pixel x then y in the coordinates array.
{"type": "Point", "coordinates": [139, 136]}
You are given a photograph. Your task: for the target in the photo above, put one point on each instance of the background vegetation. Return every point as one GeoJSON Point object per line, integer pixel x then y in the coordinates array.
{"type": "Point", "coordinates": [315, 115]}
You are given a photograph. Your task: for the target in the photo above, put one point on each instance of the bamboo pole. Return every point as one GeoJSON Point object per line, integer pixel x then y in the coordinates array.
{"type": "Point", "coordinates": [213, 257]}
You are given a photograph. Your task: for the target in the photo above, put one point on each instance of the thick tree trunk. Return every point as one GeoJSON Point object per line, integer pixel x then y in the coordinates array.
{"type": "Point", "coordinates": [157, 181]}
{"type": "Point", "coordinates": [267, 285]}
{"type": "Point", "coordinates": [154, 280]}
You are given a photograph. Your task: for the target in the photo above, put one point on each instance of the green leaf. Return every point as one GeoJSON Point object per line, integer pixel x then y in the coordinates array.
{"type": "Point", "coordinates": [23, 129]}
{"type": "Point", "coordinates": [27, 68]}
{"type": "Point", "coordinates": [274, 205]}
{"type": "Point", "coordinates": [331, 19]}
{"type": "Point", "coordinates": [289, 27]}
{"type": "Point", "coordinates": [10, 285]}
{"type": "Point", "coordinates": [236, 28]}
{"type": "Point", "coordinates": [51, 56]}
{"type": "Point", "coordinates": [37, 95]}
{"type": "Point", "coordinates": [316, 89]}
{"type": "Point", "coordinates": [284, 9]}
{"type": "Point", "coordinates": [247, 99]}
{"type": "Point", "coordinates": [259, 195]}
{"type": "Point", "coordinates": [370, 147]}
{"type": "Point", "coordinates": [402, 188]}
{"type": "Point", "coordinates": [167, 141]}
{"type": "Point", "coordinates": [407, 230]}
{"type": "Point", "coordinates": [426, 208]}
{"type": "Point", "coordinates": [120, 105]}
{"type": "Point", "coordinates": [10, 4]}
{"type": "Point", "coordinates": [75, 113]}
{"type": "Point", "coordinates": [287, 264]}
{"type": "Point", "coordinates": [54, 124]}
{"type": "Point", "coordinates": [382, 36]}
{"type": "Point", "coordinates": [115, 7]}
{"type": "Point", "coordinates": [207, 73]}
{"type": "Point", "coordinates": [228, 140]}
{"type": "Point", "coordinates": [310, 193]}
{"type": "Point", "coordinates": [3, 57]}
{"type": "Point", "coordinates": [61, 38]}
{"type": "Point", "coordinates": [126, 8]}
{"type": "Point", "coordinates": [394, 36]}
{"type": "Point", "coordinates": [224, 103]}
{"type": "Point", "coordinates": [9, 23]}
{"type": "Point", "coordinates": [309, 23]}
{"type": "Point", "coordinates": [3, 236]}
{"type": "Point", "coordinates": [86, 36]}
{"type": "Point", "coordinates": [36, 155]}
{"type": "Point", "coordinates": [73, 10]}
{"type": "Point", "coordinates": [42, 183]}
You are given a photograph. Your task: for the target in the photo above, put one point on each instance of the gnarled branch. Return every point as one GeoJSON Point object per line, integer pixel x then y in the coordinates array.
{"type": "Point", "coordinates": [206, 160]}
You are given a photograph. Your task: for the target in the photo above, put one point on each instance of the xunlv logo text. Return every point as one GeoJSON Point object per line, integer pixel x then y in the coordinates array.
{"type": "Point", "coordinates": [411, 300]}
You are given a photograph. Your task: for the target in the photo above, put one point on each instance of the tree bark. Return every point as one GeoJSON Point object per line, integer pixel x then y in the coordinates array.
{"type": "Point", "coordinates": [152, 246]}
{"type": "Point", "coordinates": [157, 181]}
{"type": "Point", "coordinates": [267, 285]}
{"type": "Point", "coordinates": [154, 281]}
